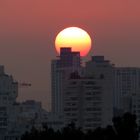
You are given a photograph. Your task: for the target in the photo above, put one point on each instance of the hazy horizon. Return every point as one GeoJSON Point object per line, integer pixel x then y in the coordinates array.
{"type": "Point", "coordinates": [28, 29]}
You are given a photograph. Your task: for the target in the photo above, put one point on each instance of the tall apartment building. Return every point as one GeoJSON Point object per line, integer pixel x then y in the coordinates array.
{"type": "Point", "coordinates": [136, 107]}
{"type": "Point", "coordinates": [127, 88]}
{"type": "Point", "coordinates": [83, 102]}
{"type": "Point", "coordinates": [60, 70]}
{"type": "Point", "coordinates": [8, 95]}
{"type": "Point", "coordinates": [88, 100]}
{"type": "Point", "coordinates": [98, 67]}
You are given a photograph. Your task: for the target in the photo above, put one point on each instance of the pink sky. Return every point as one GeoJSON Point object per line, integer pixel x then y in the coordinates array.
{"type": "Point", "coordinates": [28, 29]}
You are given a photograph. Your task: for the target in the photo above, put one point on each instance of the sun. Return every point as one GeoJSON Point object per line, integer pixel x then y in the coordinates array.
{"type": "Point", "coordinates": [74, 37]}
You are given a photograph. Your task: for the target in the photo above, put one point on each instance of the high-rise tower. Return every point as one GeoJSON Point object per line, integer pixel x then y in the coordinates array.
{"type": "Point", "coordinates": [127, 86]}
{"type": "Point", "coordinates": [61, 68]}
{"type": "Point", "coordinates": [88, 98]}
{"type": "Point", "coordinates": [8, 95]}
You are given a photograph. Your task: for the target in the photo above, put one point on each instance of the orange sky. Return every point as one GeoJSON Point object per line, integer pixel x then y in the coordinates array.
{"type": "Point", "coordinates": [28, 29]}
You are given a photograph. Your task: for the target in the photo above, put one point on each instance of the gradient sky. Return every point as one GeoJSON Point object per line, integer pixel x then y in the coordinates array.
{"type": "Point", "coordinates": [28, 29]}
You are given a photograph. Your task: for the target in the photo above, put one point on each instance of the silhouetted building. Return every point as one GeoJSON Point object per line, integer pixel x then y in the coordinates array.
{"type": "Point", "coordinates": [54, 121]}
{"type": "Point", "coordinates": [67, 63]}
{"type": "Point", "coordinates": [8, 95]}
{"type": "Point", "coordinates": [83, 102]}
{"type": "Point", "coordinates": [88, 100]}
{"type": "Point", "coordinates": [30, 114]}
{"type": "Point", "coordinates": [136, 106]}
{"type": "Point", "coordinates": [127, 86]}
{"type": "Point", "coordinates": [26, 115]}
{"type": "Point", "coordinates": [127, 91]}
{"type": "Point", "coordinates": [99, 68]}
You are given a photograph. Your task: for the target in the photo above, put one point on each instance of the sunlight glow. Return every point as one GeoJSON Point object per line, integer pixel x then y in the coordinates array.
{"type": "Point", "coordinates": [74, 37]}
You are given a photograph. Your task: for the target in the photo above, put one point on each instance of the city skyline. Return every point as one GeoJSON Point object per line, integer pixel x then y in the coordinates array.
{"type": "Point", "coordinates": [91, 96]}
{"type": "Point", "coordinates": [27, 36]}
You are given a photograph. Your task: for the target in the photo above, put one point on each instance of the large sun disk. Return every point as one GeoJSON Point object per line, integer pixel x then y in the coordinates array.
{"type": "Point", "coordinates": [74, 37]}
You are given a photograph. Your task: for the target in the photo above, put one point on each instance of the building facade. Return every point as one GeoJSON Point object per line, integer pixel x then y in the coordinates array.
{"type": "Point", "coordinates": [88, 100]}
{"type": "Point", "coordinates": [83, 103]}
{"type": "Point", "coordinates": [8, 95]}
{"type": "Point", "coordinates": [100, 68]}
{"type": "Point", "coordinates": [60, 70]}
{"type": "Point", "coordinates": [127, 87]}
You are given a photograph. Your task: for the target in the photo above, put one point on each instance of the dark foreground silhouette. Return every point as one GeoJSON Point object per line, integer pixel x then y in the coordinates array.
{"type": "Point", "coordinates": [123, 128]}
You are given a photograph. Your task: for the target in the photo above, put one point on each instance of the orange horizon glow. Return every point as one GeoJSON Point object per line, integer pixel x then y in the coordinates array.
{"type": "Point", "coordinates": [75, 38]}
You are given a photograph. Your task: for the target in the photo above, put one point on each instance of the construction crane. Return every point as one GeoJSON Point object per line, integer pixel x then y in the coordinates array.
{"type": "Point", "coordinates": [24, 85]}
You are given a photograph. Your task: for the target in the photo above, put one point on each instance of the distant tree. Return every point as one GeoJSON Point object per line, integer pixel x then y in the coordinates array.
{"type": "Point", "coordinates": [125, 127]}
{"type": "Point", "coordinates": [109, 133]}
{"type": "Point", "coordinates": [25, 136]}
{"type": "Point", "coordinates": [71, 132]}
{"type": "Point", "coordinates": [33, 135]}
